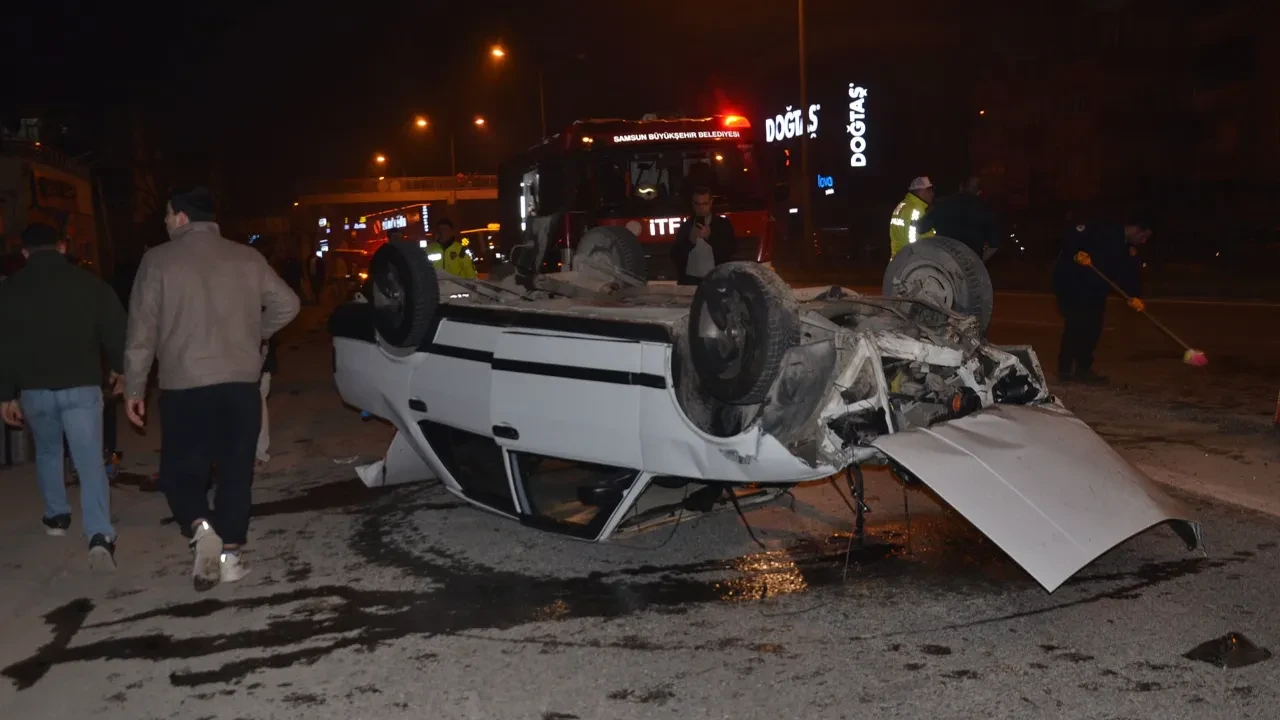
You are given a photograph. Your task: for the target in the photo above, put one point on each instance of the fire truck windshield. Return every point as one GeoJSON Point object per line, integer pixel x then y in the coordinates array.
{"type": "Point", "coordinates": [659, 180]}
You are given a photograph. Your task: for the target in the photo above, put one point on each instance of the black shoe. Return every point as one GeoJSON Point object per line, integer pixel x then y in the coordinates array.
{"type": "Point", "coordinates": [1065, 376]}
{"type": "Point", "coordinates": [102, 554]}
{"type": "Point", "coordinates": [56, 525]}
{"type": "Point", "coordinates": [1089, 377]}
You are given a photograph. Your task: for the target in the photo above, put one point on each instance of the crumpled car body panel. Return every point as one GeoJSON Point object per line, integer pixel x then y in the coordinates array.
{"type": "Point", "coordinates": [1040, 483]}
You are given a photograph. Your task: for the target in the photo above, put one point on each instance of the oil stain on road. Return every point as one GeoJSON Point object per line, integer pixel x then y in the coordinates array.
{"type": "Point", "coordinates": [305, 624]}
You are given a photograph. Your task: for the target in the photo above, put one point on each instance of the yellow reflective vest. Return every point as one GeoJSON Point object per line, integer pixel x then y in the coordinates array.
{"type": "Point", "coordinates": [902, 225]}
{"type": "Point", "coordinates": [455, 260]}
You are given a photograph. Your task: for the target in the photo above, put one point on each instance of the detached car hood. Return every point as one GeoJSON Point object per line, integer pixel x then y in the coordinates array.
{"type": "Point", "coordinates": [1038, 482]}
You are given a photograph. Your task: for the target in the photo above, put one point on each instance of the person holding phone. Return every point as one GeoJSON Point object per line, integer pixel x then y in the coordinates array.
{"type": "Point", "coordinates": [703, 242]}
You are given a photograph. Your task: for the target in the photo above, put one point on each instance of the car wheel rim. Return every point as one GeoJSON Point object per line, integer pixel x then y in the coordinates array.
{"type": "Point", "coordinates": [724, 330]}
{"type": "Point", "coordinates": [388, 294]}
{"type": "Point", "coordinates": [928, 282]}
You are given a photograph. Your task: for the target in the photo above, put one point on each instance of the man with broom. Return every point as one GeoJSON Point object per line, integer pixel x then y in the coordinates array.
{"type": "Point", "coordinates": [1111, 249]}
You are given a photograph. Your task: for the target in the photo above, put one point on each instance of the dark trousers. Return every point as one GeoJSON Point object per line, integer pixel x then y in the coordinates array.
{"type": "Point", "coordinates": [1082, 320]}
{"type": "Point", "coordinates": [215, 425]}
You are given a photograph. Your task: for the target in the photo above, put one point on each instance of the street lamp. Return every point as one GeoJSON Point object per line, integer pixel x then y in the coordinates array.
{"type": "Point", "coordinates": [499, 54]}
{"type": "Point", "coordinates": [380, 159]}
{"type": "Point", "coordinates": [424, 123]}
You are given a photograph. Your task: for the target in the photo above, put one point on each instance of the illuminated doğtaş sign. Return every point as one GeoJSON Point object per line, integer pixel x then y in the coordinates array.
{"type": "Point", "coordinates": [791, 125]}
{"type": "Point", "coordinates": [857, 127]}
{"type": "Point", "coordinates": [691, 135]}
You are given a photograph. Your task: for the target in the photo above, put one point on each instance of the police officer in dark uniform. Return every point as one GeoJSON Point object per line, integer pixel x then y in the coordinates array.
{"type": "Point", "coordinates": [1082, 295]}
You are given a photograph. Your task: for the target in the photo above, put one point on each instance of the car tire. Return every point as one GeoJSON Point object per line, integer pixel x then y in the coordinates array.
{"type": "Point", "coordinates": [944, 271]}
{"type": "Point", "coordinates": [404, 292]}
{"type": "Point", "coordinates": [619, 244]}
{"type": "Point", "coordinates": [742, 323]}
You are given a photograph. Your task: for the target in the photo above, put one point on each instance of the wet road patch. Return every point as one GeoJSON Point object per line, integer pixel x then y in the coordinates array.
{"type": "Point", "coordinates": [451, 596]}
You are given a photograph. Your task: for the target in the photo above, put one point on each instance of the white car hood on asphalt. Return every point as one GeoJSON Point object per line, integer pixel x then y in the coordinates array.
{"type": "Point", "coordinates": [1040, 483]}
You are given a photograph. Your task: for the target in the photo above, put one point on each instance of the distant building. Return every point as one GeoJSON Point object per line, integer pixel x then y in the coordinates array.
{"type": "Point", "coordinates": [40, 184]}
{"type": "Point", "coordinates": [1134, 101]}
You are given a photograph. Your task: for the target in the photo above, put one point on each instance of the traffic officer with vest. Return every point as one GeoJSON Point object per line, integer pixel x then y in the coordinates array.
{"type": "Point", "coordinates": [1112, 248]}
{"type": "Point", "coordinates": [447, 253]}
{"type": "Point", "coordinates": [903, 224]}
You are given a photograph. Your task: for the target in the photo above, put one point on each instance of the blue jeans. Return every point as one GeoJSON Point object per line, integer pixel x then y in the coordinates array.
{"type": "Point", "coordinates": [77, 412]}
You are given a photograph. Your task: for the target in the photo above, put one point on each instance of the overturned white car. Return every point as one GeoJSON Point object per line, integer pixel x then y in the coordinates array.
{"type": "Point", "coordinates": [590, 403]}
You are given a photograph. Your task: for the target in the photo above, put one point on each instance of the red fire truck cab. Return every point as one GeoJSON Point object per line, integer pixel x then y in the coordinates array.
{"type": "Point", "coordinates": [639, 174]}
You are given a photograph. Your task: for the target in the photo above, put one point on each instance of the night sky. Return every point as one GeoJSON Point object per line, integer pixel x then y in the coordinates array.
{"type": "Point", "coordinates": [272, 93]}
{"type": "Point", "coordinates": [278, 91]}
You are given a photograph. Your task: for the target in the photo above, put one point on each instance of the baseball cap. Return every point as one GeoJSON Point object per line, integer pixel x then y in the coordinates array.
{"type": "Point", "coordinates": [920, 183]}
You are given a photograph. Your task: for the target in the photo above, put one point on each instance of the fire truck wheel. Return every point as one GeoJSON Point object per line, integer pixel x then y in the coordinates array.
{"type": "Point", "coordinates": [404, 292]}
{"type": "Point", "coordinates": [615, 246]}
{"type": "Point", "coordinates": [742, 323]}
{"type": "Point", "coordinates": [945, 272]}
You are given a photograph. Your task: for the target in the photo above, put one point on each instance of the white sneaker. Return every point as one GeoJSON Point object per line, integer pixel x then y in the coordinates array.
{"type": "Point", "coordinates": [231, 568]}
{"type": "Point", "coordinates": [208, 548]}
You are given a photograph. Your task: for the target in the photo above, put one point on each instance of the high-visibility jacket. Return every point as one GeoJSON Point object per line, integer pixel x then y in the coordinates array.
{"type": "Point", "coordinates": [455, 259]}
{"type": "Point", "coordinates": [902, 225]}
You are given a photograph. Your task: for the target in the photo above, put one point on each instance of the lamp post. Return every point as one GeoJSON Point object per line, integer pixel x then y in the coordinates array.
{"type": "Point", "coordinates": [499, 53]}
{"type": "Point", "coordinates": [806, 197]}
{"type": "Point", "coordinates": [422, 123]}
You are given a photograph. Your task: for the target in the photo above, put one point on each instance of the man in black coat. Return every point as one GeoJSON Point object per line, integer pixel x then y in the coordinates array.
{"type": "Point", "coordinates": [966, 217]}
{"type": "Point", "coordinates": [1082, 295]}
{"type": "Point", "coordinates": [703, 242]}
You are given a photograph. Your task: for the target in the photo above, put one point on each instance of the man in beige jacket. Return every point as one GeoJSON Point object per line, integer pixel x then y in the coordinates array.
{"type": "Point", "coordinates": [201, 306]}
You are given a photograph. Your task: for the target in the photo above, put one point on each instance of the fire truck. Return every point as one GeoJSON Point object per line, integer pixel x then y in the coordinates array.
{"type": "Point", "coordinates": [639, 174]}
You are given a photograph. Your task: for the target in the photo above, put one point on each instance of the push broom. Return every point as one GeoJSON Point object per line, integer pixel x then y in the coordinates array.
{"type": "Point", "coordinates": [1190, 356]}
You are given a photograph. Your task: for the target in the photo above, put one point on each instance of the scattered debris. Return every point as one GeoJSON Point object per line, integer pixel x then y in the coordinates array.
{"type": "Point", "coordinates": [1232, 650]}
{"type": "Point", "coordinates": [297, 699]}
{"type": "Point", "coordinates": [346, 460]}
{"type": "Point", "coordinates": [659, 694]}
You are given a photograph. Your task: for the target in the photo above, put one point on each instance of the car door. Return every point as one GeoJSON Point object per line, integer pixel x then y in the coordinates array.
{"type": "Point", "coordinates": [450, 392]}
{"type": "Point", "coordinates": [566, 407]}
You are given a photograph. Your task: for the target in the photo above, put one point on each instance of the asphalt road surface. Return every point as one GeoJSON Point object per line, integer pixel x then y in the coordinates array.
{"type": "Point", "coordinates": [404, 603]}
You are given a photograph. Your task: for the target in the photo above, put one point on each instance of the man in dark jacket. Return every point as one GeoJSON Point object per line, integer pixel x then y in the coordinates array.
{"type": "Point", "coordinates": [966, 217]}
{"type": "Point", "coordinates": [60, 318]}
{"type": "Point", "coordinates": [703, 242]}
{"type": "Point", "coordinates": [1082, 296]}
